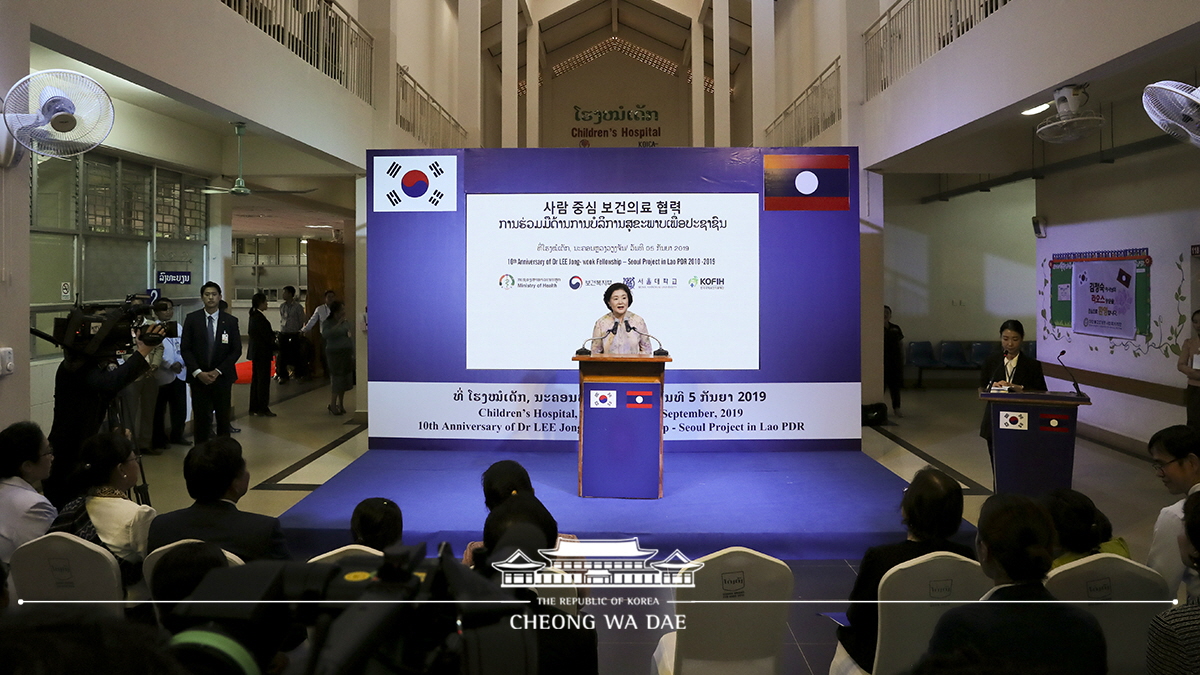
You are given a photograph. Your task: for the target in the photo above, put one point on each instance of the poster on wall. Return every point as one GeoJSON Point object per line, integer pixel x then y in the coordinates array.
{"type": "Point", "coordinates": [487, 269]}
{"type": "Point", "coordinates": [1103, 293]}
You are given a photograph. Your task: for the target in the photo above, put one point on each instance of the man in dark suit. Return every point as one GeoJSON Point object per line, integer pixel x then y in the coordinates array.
{"type": "Point", "coordinates": [216, 478]}
{"type": "Point", "coordinates": [261, 352]}
{"type": "Point", "coordinates": [210, 344]}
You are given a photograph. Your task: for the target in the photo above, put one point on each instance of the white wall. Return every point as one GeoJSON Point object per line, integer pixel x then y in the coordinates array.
{"type": "Point", "coordinates": [956, 270]}
{"type": "Point", "coordinates": [426, 33]}
{"type": "Point", "coordinates": [1019, 53]}
{"type": "Point", "coordinates": [1146, 201]}
{"type": "Point", "coordinates": [207, 56]}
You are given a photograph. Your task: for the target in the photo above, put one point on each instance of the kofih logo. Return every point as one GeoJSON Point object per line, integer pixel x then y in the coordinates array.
{"type": "Point", "coordinates": [507, 281]}
{"type": "Point", "coordinates": [612, 563]}
{"type": "Point", "coordinates": [707, 282]}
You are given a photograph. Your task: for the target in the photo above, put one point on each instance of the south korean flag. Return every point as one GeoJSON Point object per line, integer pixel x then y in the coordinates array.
{"type": "Point", "coordinates": [415, 183]}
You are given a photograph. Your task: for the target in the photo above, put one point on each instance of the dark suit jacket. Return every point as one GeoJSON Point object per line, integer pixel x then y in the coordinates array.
{"type": "Point", "coordinates": [1028, 374]}
{"type": "Point", "coordinates": [194, 345]}
{"type": "Point", "coordinates": [262, 338]}
{"type": "Point", "coordinates": [1023, 638]}
{"type": "Point", "coordinates": [860, 636]}
{"type": "Point", "coordinates": [250, 536]}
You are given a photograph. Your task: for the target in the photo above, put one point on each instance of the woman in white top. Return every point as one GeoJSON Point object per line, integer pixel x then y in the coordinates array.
{"type": "Point", "coordinates": [25, 459]}
{"type": "Point", "coordinates": [620, 331]}
{"type": "Point", "coordinates": [109, 467]}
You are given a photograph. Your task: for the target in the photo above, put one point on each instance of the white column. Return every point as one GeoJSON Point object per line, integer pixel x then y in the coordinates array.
{"type": "Point", "coordinates": [698, 81]}
{"type": "Point", "coordinates": [469, 59]}
{"type": "Point", "coordinates": [508, 74]}
{"type": "Point", "coordinates": [721, 73]}
{"type": "Point", "coordinates": [763, 67]}
{"type": "Point", "coordinates": [533, 68]}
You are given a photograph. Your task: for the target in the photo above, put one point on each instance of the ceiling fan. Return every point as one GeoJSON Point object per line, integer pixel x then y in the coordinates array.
{"type": "Point", "coordinates": [239, 184]}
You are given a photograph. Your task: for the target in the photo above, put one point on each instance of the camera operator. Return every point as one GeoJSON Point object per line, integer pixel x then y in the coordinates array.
{"type": "Point", "coordinates": [84, 386]}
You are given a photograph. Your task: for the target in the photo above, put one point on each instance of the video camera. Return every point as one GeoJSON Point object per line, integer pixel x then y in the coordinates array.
{"type": "Point", "coordinates": [106, 331]}
{"type": "Point", "coordinates": [401, 613]}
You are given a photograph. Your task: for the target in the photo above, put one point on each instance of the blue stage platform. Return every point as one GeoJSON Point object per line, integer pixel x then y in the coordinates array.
{"type": "Point", "coordinates": [811, 505]}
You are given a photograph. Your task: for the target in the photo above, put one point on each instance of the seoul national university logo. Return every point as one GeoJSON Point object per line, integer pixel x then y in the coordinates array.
{"type": "Point", "coordinates": [612, 563]}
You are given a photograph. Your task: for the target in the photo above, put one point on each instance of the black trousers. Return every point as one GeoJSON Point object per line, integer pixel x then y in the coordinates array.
{"type": "Point", "coordinates": [173, 396]}
{"type": "Point", "coordinates": [206, 400]}
{"type": "Point", "coordinates": [260, 385]}
{"type": "Point", "coordinates": [1193, 407]}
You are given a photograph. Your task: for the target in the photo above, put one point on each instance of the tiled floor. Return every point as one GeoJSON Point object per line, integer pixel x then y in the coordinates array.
{"type": "Point", "coordinates": [304, 446]}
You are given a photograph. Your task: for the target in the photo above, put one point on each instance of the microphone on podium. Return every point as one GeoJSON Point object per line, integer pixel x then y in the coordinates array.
{"type": "Point", "coordinates": [1074, 382]}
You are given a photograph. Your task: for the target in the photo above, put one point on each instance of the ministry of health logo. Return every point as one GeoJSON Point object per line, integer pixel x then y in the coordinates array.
{"type": "Point", "coordinates": [507, 281]}
{"type": "Point", "coordinates": [612, 563]}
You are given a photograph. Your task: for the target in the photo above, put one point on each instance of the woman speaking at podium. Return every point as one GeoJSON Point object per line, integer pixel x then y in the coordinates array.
{"type": "Point", "coordinates": [1010, 370]}
{"type": "Point", "coordinates": [620, 331]}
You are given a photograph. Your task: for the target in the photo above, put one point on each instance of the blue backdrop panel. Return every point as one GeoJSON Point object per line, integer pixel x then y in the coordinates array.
{"type": "Point", "coordinates": [621, 443]}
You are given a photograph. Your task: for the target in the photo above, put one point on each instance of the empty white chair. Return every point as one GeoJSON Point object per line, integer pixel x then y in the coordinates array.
{"type": "Point", "coordinates": [941, 578]}
{"type": "Point", "coordinates": [731, 638]}
{"type": "Point", "coordinates": [60, 566]}
{"type": "Point", "coordinates": [154, 556]}
{"type": "Point", "coordinates": [1096, 580]}
{"type": "Point", "coordinates": [346, 552]}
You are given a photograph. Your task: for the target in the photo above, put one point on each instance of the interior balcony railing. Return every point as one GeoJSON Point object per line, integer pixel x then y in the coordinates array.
{"type": "Point", "coordinates": [911, 31]}
{"type": "Point", "coordinates": [815, 110]}
{"type": "Point", "coordinates": [418, 113]}
{"type": "Point", "coordinates": [321, 32]}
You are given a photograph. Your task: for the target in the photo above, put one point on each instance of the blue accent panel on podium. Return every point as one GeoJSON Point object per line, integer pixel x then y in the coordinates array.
{"type": "Point", "coordinates": [621, 439]}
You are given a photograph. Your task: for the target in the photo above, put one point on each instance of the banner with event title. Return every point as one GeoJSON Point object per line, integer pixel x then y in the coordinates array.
{"type": "Point", "coordinates": [487, 268]}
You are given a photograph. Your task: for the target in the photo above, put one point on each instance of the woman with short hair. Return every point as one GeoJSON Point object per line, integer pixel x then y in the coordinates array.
{"type": "Point", "coordinates": [931, 511]}
{"type": "Point", "coordinates": [25, 460]}
{"type": "Point", "coordinates": [620, 331]}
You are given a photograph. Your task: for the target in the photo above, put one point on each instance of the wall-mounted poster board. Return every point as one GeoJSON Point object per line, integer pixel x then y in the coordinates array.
{"type": "Point", "coordinates": [1105, 293]}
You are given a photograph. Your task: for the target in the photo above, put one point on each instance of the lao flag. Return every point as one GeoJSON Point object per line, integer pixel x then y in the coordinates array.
{"type": "Point", "coordinates": [415, 183]}
{"type": "Point", "coordinates": [639, 399]}
{"type": "Point", "coordinates": [806, 182]}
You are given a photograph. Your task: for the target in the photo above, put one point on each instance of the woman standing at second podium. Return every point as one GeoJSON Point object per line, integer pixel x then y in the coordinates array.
{"type": "Point", "coordinates": [1012, 370]}
{"type": "Point", "coordinates": [620, 331]}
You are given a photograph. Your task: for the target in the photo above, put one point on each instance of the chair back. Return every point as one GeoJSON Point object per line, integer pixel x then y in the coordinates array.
{"type": "Point", "coordinates": [154, 556]}
{"type": "Point", "coordinates": [952, 355]}
{"type": "Point", "coordinates": [940, 578]}
{"type": "Point", "coordinates": [1097, 580]}
{"type": "Point", "coordinates": [348, 551]}
{"type": "Point", "coordinates": [736, 637]}
{"type": "Point", "coordinates": [61, 566]}
{"type": "Point", "coordinates": [980, 351]}
{"type": "Point", "coordinates": [920, 354]}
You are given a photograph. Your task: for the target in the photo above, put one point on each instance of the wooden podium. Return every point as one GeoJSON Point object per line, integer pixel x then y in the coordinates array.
{"type": "Point", "coordinates": [1033, 439]}
{"type": "Point", "coordinates": [620, 426]}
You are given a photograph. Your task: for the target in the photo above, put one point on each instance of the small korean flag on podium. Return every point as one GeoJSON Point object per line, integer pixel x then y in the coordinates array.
{"type": "Point", "coordinates": [415, 183]}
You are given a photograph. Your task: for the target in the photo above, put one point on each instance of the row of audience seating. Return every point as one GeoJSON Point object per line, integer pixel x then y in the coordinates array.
{"type": "Point", "coordinates": [954, 355]}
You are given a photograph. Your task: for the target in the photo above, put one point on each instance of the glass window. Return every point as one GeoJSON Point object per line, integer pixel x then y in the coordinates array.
{"type": "Point", "coordinates": [55, 205]}
{"type": "Point", "coordinates": [179, 256]}
{"type": "Point", "coordinates": [289, 251]}
{"type": "Point", "coordinates": [44, 321]}
{"type": "Point", "coordinates": [52, 280]}
{"type": "Point", "coordinates": [100, 194]}
{"type": "Point", "coordinates": [113, 268]}
{"type": "Point", "coordinates": [194, 209]}
{"type": "Point", "coordinates": [167, 192]}
{"type": "Point", "coordinates": [137, 183]}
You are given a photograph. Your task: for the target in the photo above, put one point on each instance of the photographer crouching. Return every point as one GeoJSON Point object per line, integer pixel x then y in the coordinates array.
{"type": "Point", "coordinates": [87, 382]}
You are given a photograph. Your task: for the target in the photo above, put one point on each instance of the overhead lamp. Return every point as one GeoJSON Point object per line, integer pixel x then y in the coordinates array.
{"type": "Point", "coordinates": [1036, 110]}
{"type": "Point", "coordinates": [320, 227]}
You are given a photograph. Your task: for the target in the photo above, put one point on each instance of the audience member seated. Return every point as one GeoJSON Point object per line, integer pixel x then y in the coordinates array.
{"type": "Point", "coordinates": [1082, 528]}
{"type": "Point", "coordinates": [104, 514]}
{"type": "Point", "coordinates": [178, 572]}
{"type": "Point", "coordinates": [1173, 643]}
{"type": "Point", "coordinates": [1176, 455]}
{"type": "Point", "coordinates": [520, 508]}
{"type": "Point", "coordinates": [502, 481]}
{"type": "Point", "coordinates": [80, 639]}
{"type": "Point", "coordinates": [931, 510]}
{"type": "Point", "coordinates": [25, 458]}
{"type": "Point", "coordinates": [216, 477]}
{"type": "Point", "coordinates": [378, 523]}
{"type": "Point", "coordinates": [3, 587]}
{"type": "Point", "coordinates": [1015, 548]}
